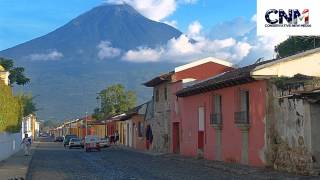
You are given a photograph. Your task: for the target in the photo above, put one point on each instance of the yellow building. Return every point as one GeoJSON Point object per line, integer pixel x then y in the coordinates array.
{"type": "Point", "coordinates": [4, 75]}
{"type": "Point", "coordinates": [122, 130]}
{"type": "Point", "coordinates": [99, 129]}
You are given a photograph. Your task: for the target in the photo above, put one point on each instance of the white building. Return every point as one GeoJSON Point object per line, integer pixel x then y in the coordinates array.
{"type": "Point", "coordinates": [30, 126]}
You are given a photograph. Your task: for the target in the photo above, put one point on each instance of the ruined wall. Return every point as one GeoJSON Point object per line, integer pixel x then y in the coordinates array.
{"type": "Point", "coordinates": [288, 132]}
{"type": "Point", "coordinates": [315, 134]}
{"type": "Point", "coordinates": [160, 123]}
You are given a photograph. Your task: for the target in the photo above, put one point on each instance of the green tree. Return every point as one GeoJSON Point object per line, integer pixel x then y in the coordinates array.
{"type": "Point", "coordinates": [10, 110]}
{"type": "Point", "coordinates": [295, 44]}
{"type": "Point", "coordinates": [28, 105]}
{"type": "Point", "coordinates": [115, 100]}
{"type": "Point", "coordinates": [17, 75]}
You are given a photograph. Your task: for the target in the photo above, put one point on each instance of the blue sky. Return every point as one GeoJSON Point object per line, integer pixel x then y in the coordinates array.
{"type": "Point", "coordinates": [223, 29]}
{"type": "Point", "coordinates": [23, 20]}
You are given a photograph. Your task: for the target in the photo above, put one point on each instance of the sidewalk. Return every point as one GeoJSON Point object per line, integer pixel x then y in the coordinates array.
{"type": "Point", "coordinates": [232, 168]}
{"type": "Point", "coordinates": [151, 153]}
{"type": "Point", "coordinates": [16, 166]}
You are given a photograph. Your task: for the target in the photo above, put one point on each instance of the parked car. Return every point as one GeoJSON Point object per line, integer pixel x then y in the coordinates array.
{"type": "Point", "coordinates": [74, 142]}
{"type": "Point", "coordinates": [58, 139]}
{"type": "Point", "coordinates": [91, 142]}
{"type": "Point", "coordinates": [104, 142]}
{"type": "Point", "coordinates": [67, 139]}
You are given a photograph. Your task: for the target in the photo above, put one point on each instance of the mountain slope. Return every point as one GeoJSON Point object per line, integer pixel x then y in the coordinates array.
{"type": "Point", "coordinates": [66, 86]}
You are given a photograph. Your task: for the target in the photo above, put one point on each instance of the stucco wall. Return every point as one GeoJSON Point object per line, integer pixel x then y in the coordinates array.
{"type": "Point", "coordinates": [289, 132]}
{"type": "Point", "coordinates": [306, 65]}
{"type": "Point", "coordinates": [315, 133]}
{"type": "Point", "coordinates": [4, 76]}
{"type": "Point", "coordinates": [231, 134]}
{"type": "Point", "coordinates": [138, 142]}
{"type": "Point", "coordinates": [9, 144]}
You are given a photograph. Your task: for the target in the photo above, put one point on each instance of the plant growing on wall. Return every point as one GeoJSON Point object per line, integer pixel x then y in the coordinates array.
{"type": "Point", "coordinates": [10, 110]}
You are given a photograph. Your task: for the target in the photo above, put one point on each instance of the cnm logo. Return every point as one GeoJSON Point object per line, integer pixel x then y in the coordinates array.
{"type": "Point", "coordinates": [292, 16]}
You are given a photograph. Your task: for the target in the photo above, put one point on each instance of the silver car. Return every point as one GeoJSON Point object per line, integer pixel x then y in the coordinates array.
{"type": "Point", "coordinates": [74, 142]}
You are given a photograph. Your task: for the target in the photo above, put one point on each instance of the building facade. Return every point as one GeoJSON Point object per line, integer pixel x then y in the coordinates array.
{"type": "Point", "coordinates": [4, 75]}
{"type": "Point", "coordinates": [263, 114]}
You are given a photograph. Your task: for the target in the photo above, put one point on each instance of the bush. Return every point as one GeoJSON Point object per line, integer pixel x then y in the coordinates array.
{"type": "Point", "coordinates": [10, 110]}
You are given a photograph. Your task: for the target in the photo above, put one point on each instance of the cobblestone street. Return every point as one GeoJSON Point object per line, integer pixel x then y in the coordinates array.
{"type": "Point", "coordinates": [52, 161]}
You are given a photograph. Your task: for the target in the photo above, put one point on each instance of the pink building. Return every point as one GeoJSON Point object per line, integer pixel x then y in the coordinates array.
{"type": "Point", "coordinates": [264, 114]}
{"type": "Point", "coordinates": [190, 73]}
{"type": "Point", "coordinates": [216, 116]}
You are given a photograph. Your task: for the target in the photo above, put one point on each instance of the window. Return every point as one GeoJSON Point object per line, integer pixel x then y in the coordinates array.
{"type": "Point", "coordinates": [216, 116]}
{"type": "Point", "coordinates": [242, 115]}
{"type": "Point", "coordinates": [201, 118]}
{"type": "Point", "coordinates": [165, 93]}
{"type": "Point", "coordinates": [157, 95]}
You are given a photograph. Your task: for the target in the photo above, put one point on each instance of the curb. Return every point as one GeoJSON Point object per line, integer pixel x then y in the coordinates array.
{"type": "Point", "coordinates": [31, 159]}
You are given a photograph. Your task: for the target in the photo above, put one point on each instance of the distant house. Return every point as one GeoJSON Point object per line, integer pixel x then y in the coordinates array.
{"type": "Point", "coordinates": [264, 114]}
{"type": "Point", "coordinates": [30, 126]}
{"type": "Point", "coordinates": [4, 75]}
{"type": "Point", "coordinates": [137, 127]}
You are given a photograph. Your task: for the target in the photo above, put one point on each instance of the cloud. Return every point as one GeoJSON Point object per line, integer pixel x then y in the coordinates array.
{"type": "Point", "coordinates": [182, 49]}
{"type": "Point", "coordinates": [143, 54]}
{"type": "Point", "coordinates": [235, 41]}
{"type": "Point", "coordinates": [106, 51]}
{"type": "Point", "coordinates": [154, 9]}
{"type": "Point", "coordinates": [172, 23]}
{"type": "Point", "coordinates": [194, 30]}
{"type": "Point", "coordinates": [50, 56]}
{"type": "Point", "coordinates": [245, 30]}
{"type": "Point", "coordinates": [187, 1]}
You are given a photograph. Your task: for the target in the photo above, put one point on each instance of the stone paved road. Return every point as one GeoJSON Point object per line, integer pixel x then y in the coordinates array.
{"type": "Point", "coordinates": [52, 161]}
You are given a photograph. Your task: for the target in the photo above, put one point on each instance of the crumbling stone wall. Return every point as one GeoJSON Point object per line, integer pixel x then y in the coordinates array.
{"type": "Point", "coordinates": [160, 123]}
{"type": "Point", "coordinates": [288, 131]}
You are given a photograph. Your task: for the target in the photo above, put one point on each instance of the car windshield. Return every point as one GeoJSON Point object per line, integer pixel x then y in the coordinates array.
{"type": "Point", "coordinates": [74, 140]}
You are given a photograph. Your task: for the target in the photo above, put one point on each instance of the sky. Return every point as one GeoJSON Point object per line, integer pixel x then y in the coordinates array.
{"type": "Point", "coordinates": [225, 29]}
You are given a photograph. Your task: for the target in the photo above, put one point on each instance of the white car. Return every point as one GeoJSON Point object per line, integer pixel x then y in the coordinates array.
{"type": "Point", "coordinates": [104, 142]}
{"type": "Point", "coordinates": [91, 142]}
{"type": "Point", "coordinates": [74, 142]}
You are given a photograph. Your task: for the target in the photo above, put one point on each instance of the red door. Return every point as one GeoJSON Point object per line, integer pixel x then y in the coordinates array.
{"type": "Point", "coordinates": [200, 139]}
{"type": "Point", "coordinates": [201, 116]}
{"type": "Point", "coordinates": [176, 138]}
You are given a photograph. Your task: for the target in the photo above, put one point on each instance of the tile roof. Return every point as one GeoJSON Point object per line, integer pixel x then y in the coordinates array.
{"type": "Point", "coordinates": [159, 79]}
{"type": "Point", "coordinates": [227, 79]}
